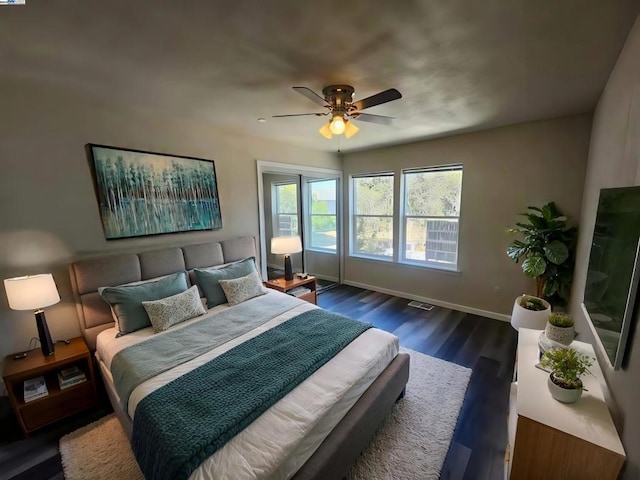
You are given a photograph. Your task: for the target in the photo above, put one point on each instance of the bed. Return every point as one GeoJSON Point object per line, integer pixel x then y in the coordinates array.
{"type": "Point", "coordinates": [316, 431]}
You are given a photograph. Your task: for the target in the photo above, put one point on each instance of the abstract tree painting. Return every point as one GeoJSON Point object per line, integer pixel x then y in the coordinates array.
{"type": "Point", "coordinates": [144, 193]}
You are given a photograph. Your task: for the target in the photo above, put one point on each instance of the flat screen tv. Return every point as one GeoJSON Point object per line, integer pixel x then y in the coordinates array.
{"type": "Point", "coordinates": [612, 277]}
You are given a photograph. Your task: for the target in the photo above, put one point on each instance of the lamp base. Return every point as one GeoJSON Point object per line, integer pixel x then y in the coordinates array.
{"type": "Point", "coordinates": [288, 270]}
{"type": "Point", "coordinates": [43, 332]}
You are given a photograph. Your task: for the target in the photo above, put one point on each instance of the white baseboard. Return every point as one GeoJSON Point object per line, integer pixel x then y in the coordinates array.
{"type": "Point", "coordinates": [453, 306]}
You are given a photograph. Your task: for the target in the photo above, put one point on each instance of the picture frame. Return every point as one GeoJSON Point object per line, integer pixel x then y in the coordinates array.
{"type": "Point", "coordinates": [143, 193]}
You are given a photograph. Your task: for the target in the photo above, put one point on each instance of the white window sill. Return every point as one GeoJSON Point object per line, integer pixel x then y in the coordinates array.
{"type": "Point", "coordinates": [431, 266]}
{"type": "Point", "coordinates": [405, 263]}
{"type": "Point", "coordinates": [320, 250]}
{"type": "Point", "coordinates": [372, 257]}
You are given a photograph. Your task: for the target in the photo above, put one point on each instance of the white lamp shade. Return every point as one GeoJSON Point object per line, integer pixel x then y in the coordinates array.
{"type": "Point", "coordinates": [286, 245]}
{"type": "Point", "coordinates": [31, 292]}
{"type": "Point", "coordinates": [350, 130]}
{"type": "Point", "coordinates": [325, 131]}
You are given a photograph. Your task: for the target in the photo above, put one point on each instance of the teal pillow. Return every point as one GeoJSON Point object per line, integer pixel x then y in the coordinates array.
{"type": "Point", "coordinates": [208, 279]}
{"type": "Point", "coordinates": [126, 300]}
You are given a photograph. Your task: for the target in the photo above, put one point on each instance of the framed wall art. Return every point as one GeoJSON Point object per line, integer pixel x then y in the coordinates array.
{"type": "Point", "coordinates": [145, 193]}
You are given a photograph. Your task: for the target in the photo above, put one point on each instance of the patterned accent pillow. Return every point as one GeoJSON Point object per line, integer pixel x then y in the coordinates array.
{"type": "Point", "coordinates": [244, 288]}
{"type": "Point", "coordinates": [169, 311]}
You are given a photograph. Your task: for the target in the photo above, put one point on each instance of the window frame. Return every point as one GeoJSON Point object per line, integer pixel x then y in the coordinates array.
{"type": "Point", "coordinates": [310, 215]}
{"type": "Point", "coordinates": [403, 220]}
{"type": "Point", "coordinates": [353, 218]}
{"type": "Point", "coordinates": [275, 207]}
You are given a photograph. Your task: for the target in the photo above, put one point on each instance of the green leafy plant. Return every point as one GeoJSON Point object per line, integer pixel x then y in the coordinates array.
{"type": "Point", "coordinates": [532, 303]}
{"type": "Point", "coordinates": [547, 251]}
{"type": "Point", "coordinates": [567, 366]}
{"type": "Point", "coordinates": [560, 319]}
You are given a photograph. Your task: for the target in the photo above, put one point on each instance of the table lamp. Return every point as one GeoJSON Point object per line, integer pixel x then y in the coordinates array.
{"type": "Point", "coordinates": [286, 246]}
{"type": "Point", "coordinates": [34, 292]}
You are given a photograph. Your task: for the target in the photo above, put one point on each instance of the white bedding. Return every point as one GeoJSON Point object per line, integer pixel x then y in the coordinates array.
{"type": "Point", "coordinates": [281, 440]}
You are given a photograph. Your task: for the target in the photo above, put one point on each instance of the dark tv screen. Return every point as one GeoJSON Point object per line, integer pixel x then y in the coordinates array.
{"type": "Point", "coordinates": [612, 277]}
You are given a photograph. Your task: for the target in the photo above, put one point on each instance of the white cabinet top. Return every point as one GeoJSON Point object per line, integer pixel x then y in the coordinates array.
{"type": "Point", "coordinates": [588, 418]}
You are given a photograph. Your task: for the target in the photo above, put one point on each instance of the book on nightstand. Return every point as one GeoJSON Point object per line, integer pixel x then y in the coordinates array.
{"type": "Point", "coordinates": [35, 388]}
{"type": "Point", "coordinates": [299, 291]}
{"type": "Point", "coordinates": [71, 376]}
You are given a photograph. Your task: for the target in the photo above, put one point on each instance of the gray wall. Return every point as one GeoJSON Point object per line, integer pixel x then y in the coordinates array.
{"type": "Point", "coordinates": [505, 170]}
{"type": "Point", "coordinates": [47, 203]}
{"type": "Point", "coordinates": [614, 161]}
{"type": "Point", "coordinates": [323, 265]}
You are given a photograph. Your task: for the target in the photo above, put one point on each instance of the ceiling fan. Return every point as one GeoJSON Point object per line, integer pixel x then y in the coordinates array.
{"type": "Point", "coordinates": [338, 100]}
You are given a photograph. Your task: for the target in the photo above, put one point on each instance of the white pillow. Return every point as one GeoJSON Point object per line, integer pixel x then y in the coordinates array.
{"type": "Point", "coordinates": [238, 290]}
{"type": "Point", "coordinates": [169, 311]}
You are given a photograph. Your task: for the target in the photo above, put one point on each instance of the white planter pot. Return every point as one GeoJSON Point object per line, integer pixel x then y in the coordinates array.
{"type": "Point", "coordinates": [563, 335]}
{"type": "Point", "coordinates": [564, 395]}
{"type": "Point", "coordinates": [523, 318]}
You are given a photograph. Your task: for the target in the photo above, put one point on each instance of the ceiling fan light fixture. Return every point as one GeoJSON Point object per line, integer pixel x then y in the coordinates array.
{"type": "Point", "coordinates": [350, 130]}
{"type": "Point", "coordinates": [337, 125]}
{"type": "Point", "coordinates": [325, 131]}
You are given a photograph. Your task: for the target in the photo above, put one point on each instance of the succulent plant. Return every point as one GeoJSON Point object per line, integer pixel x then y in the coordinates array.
{"type": "Point", "coordinates": [560, 319]}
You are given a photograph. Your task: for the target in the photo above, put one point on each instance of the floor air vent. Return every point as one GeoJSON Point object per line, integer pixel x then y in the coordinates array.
{"type": "Point", "coordinates": [422, 305]}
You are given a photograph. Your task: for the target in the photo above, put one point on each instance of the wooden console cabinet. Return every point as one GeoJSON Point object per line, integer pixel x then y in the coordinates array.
{"type": "Point", "coordinates": [551, 440]}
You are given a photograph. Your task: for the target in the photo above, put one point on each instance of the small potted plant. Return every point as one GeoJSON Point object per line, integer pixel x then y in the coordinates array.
{"type": "Point", "coordinates": [567, 366]}
{"type": "Point", "coordinates": [530, 312]}
{"type": "Point", "coordinates": [559, 328]}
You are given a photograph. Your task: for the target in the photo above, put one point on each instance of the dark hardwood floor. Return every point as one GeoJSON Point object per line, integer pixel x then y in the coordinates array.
{"type": "Point", "coordinates": [487, 346]}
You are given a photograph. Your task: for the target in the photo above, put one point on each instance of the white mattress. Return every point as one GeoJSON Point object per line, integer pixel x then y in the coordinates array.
{"type": "Point", "coordinates": [281, 440]}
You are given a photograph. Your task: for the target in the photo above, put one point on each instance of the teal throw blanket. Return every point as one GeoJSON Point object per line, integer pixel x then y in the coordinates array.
{"type": "Point", "coordinates": [181, 424]}
{"type": "Point", "coordinates": [140, 362]}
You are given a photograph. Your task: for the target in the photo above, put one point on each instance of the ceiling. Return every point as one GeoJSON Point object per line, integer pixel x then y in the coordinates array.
{"type": "Point", "coordinates": [461, 65]}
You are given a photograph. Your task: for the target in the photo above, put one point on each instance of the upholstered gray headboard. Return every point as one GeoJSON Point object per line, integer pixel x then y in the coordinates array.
{"type": "Point", "coordinates": [89, 275]}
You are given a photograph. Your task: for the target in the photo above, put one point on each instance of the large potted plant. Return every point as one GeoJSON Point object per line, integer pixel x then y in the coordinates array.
{"type": "Point", "coordinates": [546, 250]}
{"type": "Point", "coordinates": [530, 312]}
{"type": "Point", "coordinates": [567, 366]}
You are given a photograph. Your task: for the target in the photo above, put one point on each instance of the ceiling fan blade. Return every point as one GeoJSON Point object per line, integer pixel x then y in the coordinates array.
{"type": "Point", "coordinates": [311, 95]}
{"type": "Point", "coordinates": [377, 99]}
{"type": "Point", "coordinates": [322, 114]}
{"type": "Point", "coordinates": [368, 117]}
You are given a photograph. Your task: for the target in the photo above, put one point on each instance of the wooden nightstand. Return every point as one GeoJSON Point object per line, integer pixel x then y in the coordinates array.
{"type": "Point", "coordinates": [285, 286]}
{"type": "Point", "coordinates": [59, 403]}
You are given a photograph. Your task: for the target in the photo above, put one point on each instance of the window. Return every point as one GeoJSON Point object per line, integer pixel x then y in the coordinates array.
{"type": "Point", "coordinates": [285, 209]}
{"type": "Point", "coordinates": [322, 215]}
{"type": "Point", "coordinates": [431, 216]}
{"type": "Point", "coordinates": [372, 221]}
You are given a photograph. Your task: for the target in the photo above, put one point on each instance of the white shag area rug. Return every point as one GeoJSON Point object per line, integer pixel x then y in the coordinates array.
{"type": "Point", "coordinates": [412, 443]}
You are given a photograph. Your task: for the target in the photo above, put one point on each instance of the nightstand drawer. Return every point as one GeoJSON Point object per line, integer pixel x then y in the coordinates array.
{"type": "Point", "coordinates": [309, 297]}
{"type": "Point", "coordinates": [64, 403]}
